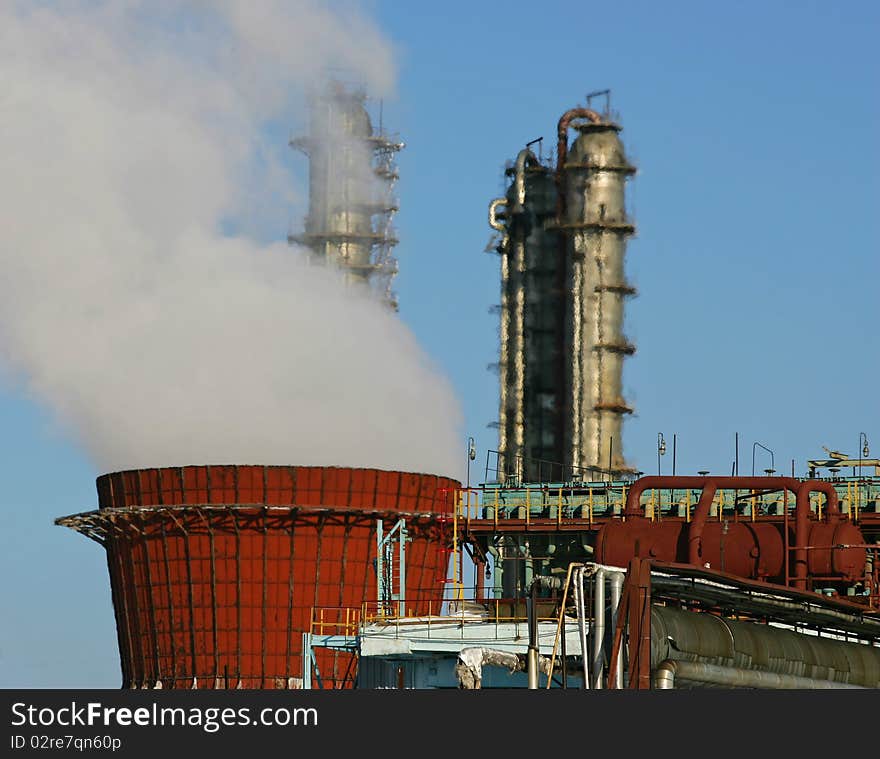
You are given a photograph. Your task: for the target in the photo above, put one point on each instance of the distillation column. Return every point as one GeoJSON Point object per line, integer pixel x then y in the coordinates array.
{"type": "Point", "coordinates": [592, 216]}
{"type": "Point", "coordinates": [351, 180]}
{"type": "Point", "coordinates": [530, 439]}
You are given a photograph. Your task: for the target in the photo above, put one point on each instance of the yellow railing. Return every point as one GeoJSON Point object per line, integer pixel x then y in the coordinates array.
{"type": "Point", "coordinates": [349, 621]}
{"type": "Point", "coordinates": [335, 620]}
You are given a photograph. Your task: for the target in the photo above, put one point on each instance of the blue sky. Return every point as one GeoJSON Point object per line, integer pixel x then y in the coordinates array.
{"type": "Point", "coordinates": [753, 126]}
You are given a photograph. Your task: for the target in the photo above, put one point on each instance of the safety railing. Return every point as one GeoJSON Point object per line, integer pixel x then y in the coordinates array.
{"type": "Point", "coordinates": [430, 614]}
{"type": "Point", "coordinates": [509, 470]}
{"type": "Point", "coordinates": [591, 503]}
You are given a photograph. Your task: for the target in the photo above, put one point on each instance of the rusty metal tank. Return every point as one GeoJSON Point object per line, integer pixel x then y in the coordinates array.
{"type": "Point", "coordinates": [215, 570]}
{"type": "Point", "coordinates": [746, 549]}
{"type": "Point", "coordinates": [822, 546]}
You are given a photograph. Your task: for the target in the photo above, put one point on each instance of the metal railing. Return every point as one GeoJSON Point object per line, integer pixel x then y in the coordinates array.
{"type": "Point", "coordinates": [598, 501]}
{"type": "Point", "coordinates": [350, 621]}
{"type": "Point", "coordinates": [515, 470]}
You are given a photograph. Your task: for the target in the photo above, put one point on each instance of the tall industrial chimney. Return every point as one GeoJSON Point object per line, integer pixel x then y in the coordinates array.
{"type": "Point", "coordinates": [352, 173]}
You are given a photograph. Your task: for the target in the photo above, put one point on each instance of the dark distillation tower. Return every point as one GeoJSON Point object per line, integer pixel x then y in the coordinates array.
{"type": "Point", "coordinates": [352, 173]}
{"type": "Point", "coordinates": [530, 402]}
{"type": "Point", "coordinates": [564, 231]}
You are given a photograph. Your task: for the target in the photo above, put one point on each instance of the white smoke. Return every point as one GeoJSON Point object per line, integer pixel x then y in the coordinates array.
{"type": "Point", "coordinates": [134, 134]}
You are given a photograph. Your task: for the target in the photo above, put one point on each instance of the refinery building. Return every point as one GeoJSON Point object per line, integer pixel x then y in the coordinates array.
{"type": "Point", "coordinates": [564, 567]}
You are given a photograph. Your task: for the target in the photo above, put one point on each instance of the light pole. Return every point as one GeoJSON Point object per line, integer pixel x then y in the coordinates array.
{"type": "Point", "coordinates": [772, 463]}
{"type": "Point", "coordinates": [864, 451]}
{"type": "Point", "coordinates": [661, 450]}
{"type": "Point", "coordinates": [471, 455]}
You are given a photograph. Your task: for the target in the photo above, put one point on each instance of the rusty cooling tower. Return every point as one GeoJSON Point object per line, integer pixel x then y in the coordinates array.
{"type": "Point", "coordinates": [215, 570]}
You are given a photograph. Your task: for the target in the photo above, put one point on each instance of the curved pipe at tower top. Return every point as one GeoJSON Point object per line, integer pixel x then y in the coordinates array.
{"type": "Point", "coordinates": [562, 149]}
{"type": "Point", "coordinates": [523, 157]}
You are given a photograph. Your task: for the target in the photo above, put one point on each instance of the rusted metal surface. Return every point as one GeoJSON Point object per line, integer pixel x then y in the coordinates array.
{"type": "Point", "coordinates": [748, 549]}
{"type": "Point", "coordinates": [215, 570]}
{"type": "Point", "coordinates": [638, 589]}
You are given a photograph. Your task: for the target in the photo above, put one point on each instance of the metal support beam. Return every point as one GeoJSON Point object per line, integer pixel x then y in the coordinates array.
{"type": "Point", "coordinates": [385, 564]}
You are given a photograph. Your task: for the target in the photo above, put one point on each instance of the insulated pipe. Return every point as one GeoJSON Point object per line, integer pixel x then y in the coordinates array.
{"type": "Point", "coordinates": [532, 663]}
{"type": "Point", "coordinates": [578, 581]}
{"type": "Point", "coordinates": [617, 579]}
{"type": "Point", "coordinates": [733, 677]}
{"type": "Point", "coordinates": [524, 156]}
{"type": "Point", "coordinates": [532, 660]}
{"type": "Point", "coordinates": [598, 630]}
{"type": "Point", "coordinates": [828, 616]}
{"type": "Point", "coordinates": [493, 218]}
{"type": "Point", "coordinates": [802, 523]}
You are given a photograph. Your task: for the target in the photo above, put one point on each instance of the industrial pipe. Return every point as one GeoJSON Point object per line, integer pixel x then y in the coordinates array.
{"type": "Point", "coordinates": [598, 629]}
{"type": "Point", "coordinates": [798, 606]}
{"type": "Point", "coordinates": [617, 579]}
{"type": "Point", "coordinates": [524, 156]}
{"type": "Point", "coordinates": [493, 218]}
{"type": "Point", "coordinates": [709, 486]}
{"type": "Point", "coordinates": [532, 663]}
{"type": "Point", "coordinates": [562, 150]}
{"type": "Point", "coordinates": [802, 523]}
{"type": "Point", "coordinates": [533, 656]}
{"type": "Point", "coordinates": [633, 496]}
{"type": "Point", "coordinates": [712, 639]}
{"type": "Point", "coordinates": [580, 609]}
{"type": "Point", "coordinates": [734, 677]}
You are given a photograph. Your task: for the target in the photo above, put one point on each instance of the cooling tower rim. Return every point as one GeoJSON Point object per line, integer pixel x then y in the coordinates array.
{"type": "Point", "coordinates": [97, 523]}
{"type": "Point", "coordinates": [252, 508]}
{"type": "Point", "coordinates": [239, 465]}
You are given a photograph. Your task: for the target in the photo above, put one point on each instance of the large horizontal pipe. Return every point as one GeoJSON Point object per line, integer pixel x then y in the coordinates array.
{"type": "Point", "coordinates": [633, 497]}
{"type": "Point", "coordinates": [712, 639]}
{"type": "Point", "coordinates": [734, 677]}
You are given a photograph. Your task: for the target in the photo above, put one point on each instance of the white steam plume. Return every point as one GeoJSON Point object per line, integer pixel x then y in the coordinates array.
{"type": "Point", "coordinates": [134, 134]}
